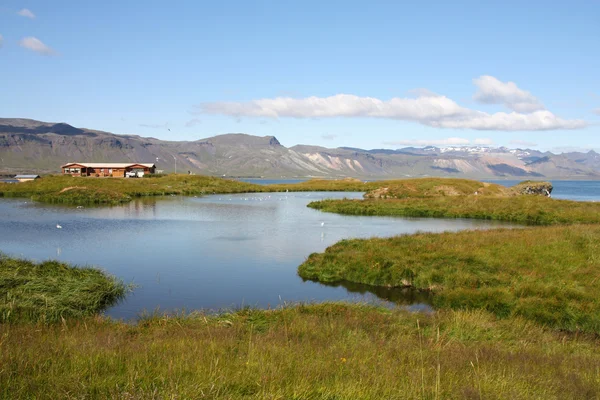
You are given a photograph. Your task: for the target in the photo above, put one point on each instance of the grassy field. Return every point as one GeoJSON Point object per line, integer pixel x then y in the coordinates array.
{"type": "Point", "coordinates": [77, 190]}
{"type": "Point", "coordinates": [526, 209]}
{"type": "Point", "coordinates": [326, 351]}
{"type": "Point", "coordinates": [548, 275]}
{"type": "Point", "coordinates": [51, 291]}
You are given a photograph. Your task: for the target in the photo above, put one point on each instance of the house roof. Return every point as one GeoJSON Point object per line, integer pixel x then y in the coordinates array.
{"type": "Point", "coordinates": [27, 176]}
{"type": "Point", "coordinates": [108, 165]}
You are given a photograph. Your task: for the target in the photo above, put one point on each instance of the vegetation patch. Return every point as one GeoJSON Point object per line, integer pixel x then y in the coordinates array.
{"type": "Point", "coordinates": [548, 275]}
{"type": "Point", "coordinates": [435, 187]}
{"type": "Point", "coordinates": [51, 291]}
{"type": "Point", "coordinates": [536, 210]}
{"type": "Point", "coordinates": [110, 191]}
{"type": "Point", "coordinates": [323, 351]}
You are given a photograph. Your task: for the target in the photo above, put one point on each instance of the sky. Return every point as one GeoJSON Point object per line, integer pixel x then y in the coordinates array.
{"type": "Point", "coordinates": [367, 74]}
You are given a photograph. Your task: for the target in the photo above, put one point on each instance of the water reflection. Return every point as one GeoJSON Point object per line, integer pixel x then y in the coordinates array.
{"type": "Point", "coordinates": [416, 299]}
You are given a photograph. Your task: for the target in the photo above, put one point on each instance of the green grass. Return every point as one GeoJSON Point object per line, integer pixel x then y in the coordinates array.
{"type": "Point", "coordinates": [325, 351]}
{"type": "Point", "coordinates": [537, 210]}
{"type": "Point", "coordinates": [548, 275]}
{"type": "Point", "coordinates": [88, 190]}
{"type": "Point", "coordinates": [51, 291]}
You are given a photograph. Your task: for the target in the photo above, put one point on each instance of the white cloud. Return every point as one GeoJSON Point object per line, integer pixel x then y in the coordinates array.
{"type": "Point", "coordinates": [536, 121]}
{"type": "Point", "coordinates": [26, 13]}
{"type": "Point", "coordinates": [453, 141]}
{"type": "Point", "coordinates": [193, 122]}
{"type": "Point", "coordinates": [493, 91]}
{"type": "Point", "coordinates": [340, 105]}
{"type": "Point", "coordinates": [1, 40]}
{"type": "Point", "coordinates": [35, 44]}
{"type": "Point", "coordinates": [427, 108]}
{"type": "Point", "coordinates": [596, 111]}
{"type": "Point", "coordinates": [329, 136]}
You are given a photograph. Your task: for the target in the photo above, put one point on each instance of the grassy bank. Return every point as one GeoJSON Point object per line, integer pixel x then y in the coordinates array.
{"type": "Point", "coordinates": [525, 209]}
{"type": "Point", "coordinates": [51, 291]}
{"type": "Point", "coordinates": [547, 275]}
{"type": "Point", "coordinates": [326, 351]}
{"type": "Point", "coordinates": [76, 190]}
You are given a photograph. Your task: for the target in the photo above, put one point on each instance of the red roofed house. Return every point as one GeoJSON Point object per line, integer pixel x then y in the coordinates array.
{"type": "Point", "coordinates": [106, 169]}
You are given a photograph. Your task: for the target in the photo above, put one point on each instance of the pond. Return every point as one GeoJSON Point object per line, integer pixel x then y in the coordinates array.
{"type": "Point", "coordinates": [213, 252]}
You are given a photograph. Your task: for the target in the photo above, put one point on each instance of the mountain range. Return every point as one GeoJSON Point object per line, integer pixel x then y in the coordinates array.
{"type": "Point", "coordinates": [29, 146]}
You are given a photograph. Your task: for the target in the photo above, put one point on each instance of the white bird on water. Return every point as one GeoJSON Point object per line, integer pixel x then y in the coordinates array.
{"type": "Point", "coordinates": [322, 223]}
{"type": "Point", "coordinates": [58, 226]}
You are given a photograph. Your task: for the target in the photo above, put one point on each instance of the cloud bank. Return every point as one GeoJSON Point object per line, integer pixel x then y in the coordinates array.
{"type": "Point", "coordinates": [35, 44]}
{"type": "Point", "coordinates": [26, 13]}
{"type": "Point", "coordinates": [426, 108]}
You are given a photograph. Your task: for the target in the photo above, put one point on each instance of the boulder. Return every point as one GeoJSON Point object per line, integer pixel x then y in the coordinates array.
{"type": "Point", "coordinates": [533, 188]}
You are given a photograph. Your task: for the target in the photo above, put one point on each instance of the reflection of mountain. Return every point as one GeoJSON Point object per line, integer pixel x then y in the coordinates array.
{"type": "Point", "coordinates": [400, 296]}
{"type": "Point", "coordinates": [34, 146]}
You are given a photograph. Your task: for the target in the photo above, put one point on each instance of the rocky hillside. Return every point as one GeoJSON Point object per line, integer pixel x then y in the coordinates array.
{"type": "Point", "coordinates": [41, 147]}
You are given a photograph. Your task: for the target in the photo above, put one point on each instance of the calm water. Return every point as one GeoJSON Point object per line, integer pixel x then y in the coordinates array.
{"type": "Point", "coordinates": [214, 252]}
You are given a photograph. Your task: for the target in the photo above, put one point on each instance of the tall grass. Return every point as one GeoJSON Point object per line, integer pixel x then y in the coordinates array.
{"type": "Point", "coordinates": [51, 291]}
{"type": "Point", "coordinates": [325, 351]}
{"type": "Point", "coordinates": [548, 275]}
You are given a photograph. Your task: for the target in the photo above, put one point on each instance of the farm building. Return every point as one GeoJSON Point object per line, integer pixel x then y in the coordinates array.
{"type": "Point", "coordinates": [25, 178]}
{"type": "Point", "coordinates": [119, 170]}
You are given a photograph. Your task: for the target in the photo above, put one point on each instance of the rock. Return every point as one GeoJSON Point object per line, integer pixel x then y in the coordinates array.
{"type": "Point", "coordinates": [533, 187]}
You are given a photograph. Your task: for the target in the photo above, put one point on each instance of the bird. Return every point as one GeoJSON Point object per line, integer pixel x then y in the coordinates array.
{"type": "Point", "coordinates": [322, 223]}
{"type": "Point", "coordinates": [58, 226]}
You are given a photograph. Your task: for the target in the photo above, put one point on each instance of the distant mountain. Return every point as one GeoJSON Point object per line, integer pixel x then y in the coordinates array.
{"type": "Point", "coordinates": [41, 147]}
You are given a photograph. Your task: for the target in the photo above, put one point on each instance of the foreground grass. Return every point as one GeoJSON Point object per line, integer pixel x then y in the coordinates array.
{"type": "Point", "coordinates": [525, 209]}
{"type": "Point", "coordinates": [51, 291]}
{"type": "Point", "coordinates": [326, 351]}
{"type": "Point", "coordinates": [547, 275]}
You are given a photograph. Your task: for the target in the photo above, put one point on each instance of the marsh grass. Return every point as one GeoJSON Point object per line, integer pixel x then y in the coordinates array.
{"type": "Point", "coordinates": [548, 275]}
{"type": "Point", "coordinates": [324, 351]}
{"type": "Point", "coordinates": [89, 190]}
{"type": "Point", "coordinates": [526, 209]}
{"type": "Point", "coordinates": [51, 291]}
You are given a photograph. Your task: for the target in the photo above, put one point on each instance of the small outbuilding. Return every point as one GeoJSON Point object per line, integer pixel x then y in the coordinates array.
{"type": "Point", "coordinates": [118, 170]}
{"type": "Point", "coordinates": [25, 178]}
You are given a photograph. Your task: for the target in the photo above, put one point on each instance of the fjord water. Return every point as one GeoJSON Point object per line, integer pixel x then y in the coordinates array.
{"type": "Point", "coordinates": [214, 252]}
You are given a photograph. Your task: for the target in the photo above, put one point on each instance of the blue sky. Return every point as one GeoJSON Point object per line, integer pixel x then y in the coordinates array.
{"type": "Point", "coordinates": [377, 74]}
